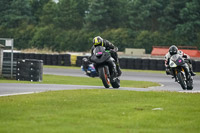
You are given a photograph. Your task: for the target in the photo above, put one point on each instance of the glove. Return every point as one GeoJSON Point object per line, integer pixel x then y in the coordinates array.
{"type": "Point", "coordinates": [116, 49]}
{"type": "Point", "coordinates": [85, 59]}
{"type": "Point", "coordinates": [185, 56]}
{"type": "Point", "coordinates": [112, 51]}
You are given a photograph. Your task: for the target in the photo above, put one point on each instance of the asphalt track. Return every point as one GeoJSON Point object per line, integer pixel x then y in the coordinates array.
{"type": "Point", "coordinates": [167, 84]}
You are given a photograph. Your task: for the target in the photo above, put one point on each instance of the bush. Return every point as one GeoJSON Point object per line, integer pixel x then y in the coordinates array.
{"type": "Point", "coordinates": [119, 37]}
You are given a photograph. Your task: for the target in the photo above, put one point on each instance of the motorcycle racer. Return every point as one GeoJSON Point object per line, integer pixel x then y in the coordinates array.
{"type": "Point", "coordinates": [172, 51]}
{"type": "Point", "coordinates": [98, 41]}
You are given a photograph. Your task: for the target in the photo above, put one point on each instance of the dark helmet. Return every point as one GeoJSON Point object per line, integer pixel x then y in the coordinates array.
{"type": "Point", "coordinates": [173, 50]}
{"type": "Point", "coordinates": [97, 41]}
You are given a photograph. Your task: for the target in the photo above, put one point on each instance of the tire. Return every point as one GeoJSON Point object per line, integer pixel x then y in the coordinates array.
{"type": "Point", "coordinates": [115, 83]}
{"type": "Point", "coordinates": [181, 81]}
{"type": "Point", "coordinates": [190, 84]}
{"type": "Point", "coordinates": [104, 77]}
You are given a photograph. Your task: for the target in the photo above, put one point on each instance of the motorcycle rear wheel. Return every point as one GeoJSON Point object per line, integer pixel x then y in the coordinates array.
{"type": "Point", "coordinates": [104, 77]}
{"type": "Point", "coordinates": [181, 80]}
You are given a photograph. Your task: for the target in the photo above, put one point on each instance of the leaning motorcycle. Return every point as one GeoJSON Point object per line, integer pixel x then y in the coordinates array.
{"type": "Point", "coordinates": [105, 66]}
{"type": "Point", "coordinates": [180, 68]}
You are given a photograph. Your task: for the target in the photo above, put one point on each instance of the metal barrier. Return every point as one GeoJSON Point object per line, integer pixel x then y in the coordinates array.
{"type": "Point", "coordinates": [7, 71]}
{"type": "Point", "coordinates": [1, 58]}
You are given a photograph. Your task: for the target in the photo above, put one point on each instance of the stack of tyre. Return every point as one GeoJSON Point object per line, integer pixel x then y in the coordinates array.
{"type": "Point", "coordinates": [29, 70]}
{"type": "Point", "coordinates": [48, 59]}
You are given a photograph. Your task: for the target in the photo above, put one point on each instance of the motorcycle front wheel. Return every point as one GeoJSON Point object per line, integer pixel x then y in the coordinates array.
{"type": "Point", "coordinates": [181, 80]}
{"type": "Point", "coordinates": [115, 83]}
{"type": "Point", "coordinates": [190, 84]}
{"type": "Point", "coordinates": [103, 74]}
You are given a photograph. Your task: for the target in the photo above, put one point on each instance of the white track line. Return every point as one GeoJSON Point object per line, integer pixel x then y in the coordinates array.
{"type": "Point", "coordinates": [23, 93]}
{"type": "Point", "coordinates": [188, 91]}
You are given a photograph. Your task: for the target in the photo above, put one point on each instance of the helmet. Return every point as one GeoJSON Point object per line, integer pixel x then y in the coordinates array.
{"type": "Point", "coordinates": [84, 59]}
{"type": "Point", "coordinates": [173, 50]}
{"type": "Point", "coordinates": [97, 41]}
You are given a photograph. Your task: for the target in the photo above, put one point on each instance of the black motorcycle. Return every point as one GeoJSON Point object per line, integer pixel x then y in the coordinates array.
{"type": "Point", "coordinates": [106, 67]}
{"type": "Point", "coordinates": [180, 70]}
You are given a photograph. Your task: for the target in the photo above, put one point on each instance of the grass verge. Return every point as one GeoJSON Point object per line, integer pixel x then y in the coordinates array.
{"type": "Point", "coordinates": [65, 67]}
{"type": "Point", "coordinates": [100, 111]}
{"type": "Point", "coordinates": [57, 79]}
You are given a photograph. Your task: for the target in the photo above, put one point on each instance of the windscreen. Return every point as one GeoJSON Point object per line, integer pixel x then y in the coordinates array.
{"type": "Point", "coordinates": [98, 49]}
{"type": "Point", "coordinates": [175, 57]}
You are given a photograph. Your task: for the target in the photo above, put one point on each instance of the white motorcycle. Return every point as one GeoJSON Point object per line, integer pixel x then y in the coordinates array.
{"type": "Point", "coordinates": [180, 70]}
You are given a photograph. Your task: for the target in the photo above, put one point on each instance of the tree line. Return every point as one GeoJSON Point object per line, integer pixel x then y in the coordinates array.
{"type": "Point", "coordinates": [70, 25]}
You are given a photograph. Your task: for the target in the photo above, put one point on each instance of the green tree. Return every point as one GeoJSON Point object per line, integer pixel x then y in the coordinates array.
{"type": "Point", "coordinates": [23, 35]}
{"type": "Point", "coordinates": [190, 15]}
{"type": "Point", "coordinates": [171, 14]}
{"type": "Point", "coordinates": [75, 40]}
{"type": "Point", "coordinates": [96, 17]}
{"type": "Point", "coordinates": [145, 14]}
{"type": "Point", "coordinates": [116, 13]}
{"type": "Point", "coordinates": [36, 9]}
{"type": "Point", "coordinates": [14, 12]}
{"type": "Point", "coordinates": [49, 14]}
{"type": "Point", "coordinates": [68, 15]}
{"type": "Point", "coordinates": [146, 40]}
{"type": "Point", "coordinates": [44, 37]}
{"type": "Point", "coordinates": [82, 7]}
{"type": "Point", "coordinates": [119, 37]}
{"type": "Point", "coordinates": [16, 21]}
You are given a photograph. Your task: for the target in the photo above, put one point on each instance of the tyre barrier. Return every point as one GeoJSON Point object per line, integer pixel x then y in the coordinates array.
{"type": "Point", "coordinates": [29, 70]}
{"type": "Point", "coordinates": [79, 60]}
{"type": "Point", "coordinates": [122, 63]}
{"type": "Point", "coordinates": [160, 64]}
{"type": "Point", "coordinates": [142, 64]}
{"type": "Point", "coordinates": [48, 59]}
{"type": "Point", "coordinates": [145, 64]}
{"type": "Point", "coordinates": [197, 66]}
{"type": "Point", "coordinates": [130, 63]}
{"type": "Point", "coordinates": [138, 63]}
{"type": "Point", "coordinates": [125, 63]}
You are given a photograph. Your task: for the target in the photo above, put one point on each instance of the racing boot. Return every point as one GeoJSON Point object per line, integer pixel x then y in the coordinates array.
{"type": "Point", "coordinates": [174, 76]}
{"type": "Point", "coordinates": [191, 69]}
{"type": "Point", "coordinates": [119, 72]}
{"type": "Point", "coordinates": [176, 80]}
{"type": "Point", "coordinates": [192, 73]}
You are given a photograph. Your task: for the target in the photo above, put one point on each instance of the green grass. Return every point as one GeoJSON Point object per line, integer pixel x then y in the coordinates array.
{"type": "Point", "coordinates": [57, 79]}
{"type": "Point", "coordinates": [65, 67]}
{"type": "Point", "coordinates": [100, 111]}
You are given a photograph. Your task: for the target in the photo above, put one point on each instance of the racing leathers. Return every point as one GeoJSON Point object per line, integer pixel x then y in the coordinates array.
{"type": "Point", "coordinates": [187, 59]}
{"type": "Point", "coordinates": [113, 51]}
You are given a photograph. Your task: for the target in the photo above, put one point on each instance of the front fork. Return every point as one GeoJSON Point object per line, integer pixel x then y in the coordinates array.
{"type": "Point", "coordinates": [187, 71]}
{"type": "Point", "coordinates": [176, 71]}
{"type": "Point", "coordinates": [113, 70]}
{"type": "Point", "coordinates": [184, 70]}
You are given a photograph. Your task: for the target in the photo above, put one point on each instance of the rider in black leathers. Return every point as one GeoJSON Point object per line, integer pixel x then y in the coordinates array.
{"type": "Point", "coordinates": [98, 41]}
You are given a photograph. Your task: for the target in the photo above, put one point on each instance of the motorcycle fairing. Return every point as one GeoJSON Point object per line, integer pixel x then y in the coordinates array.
{"type": "Point", "coordinates": [100, 55]}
